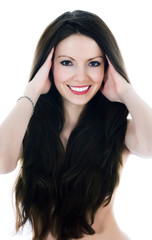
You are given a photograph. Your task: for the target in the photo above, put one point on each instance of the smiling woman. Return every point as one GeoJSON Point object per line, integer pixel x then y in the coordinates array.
{"type": "Point", "coordinates": [73, 147]}
{"type": "Point", "coordinates": [75, 73]}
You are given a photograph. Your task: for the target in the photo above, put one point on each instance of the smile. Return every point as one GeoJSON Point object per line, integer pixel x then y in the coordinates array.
{"type": "Point", "coordinates": [79, 90]}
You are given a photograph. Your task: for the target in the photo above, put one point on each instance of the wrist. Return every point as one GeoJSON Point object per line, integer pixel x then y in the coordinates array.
{"type": "Point", "coordinates": [32, 92]}
{"type": "Point", "coordinates": [125, 92]}
{"type": "Point", "coordinates": [29, 99]}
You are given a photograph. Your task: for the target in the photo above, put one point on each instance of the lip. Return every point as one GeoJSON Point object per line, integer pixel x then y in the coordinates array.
{"type": "Point", "coordinates": [77, 92]}
{"type": "Point", "coordinates": [79, 86]}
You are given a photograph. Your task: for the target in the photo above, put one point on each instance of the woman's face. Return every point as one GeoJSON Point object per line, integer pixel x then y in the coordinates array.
{"type": "Point", "coordinates": [78, 69]}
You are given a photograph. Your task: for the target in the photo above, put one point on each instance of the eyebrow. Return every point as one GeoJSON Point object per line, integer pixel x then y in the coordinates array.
{"type": "Point", "coordinates": [66, 56]}
{"type": "Point", "coordinates": [96, 57]}
{"type": "Point", "coordinates": [74, 59]}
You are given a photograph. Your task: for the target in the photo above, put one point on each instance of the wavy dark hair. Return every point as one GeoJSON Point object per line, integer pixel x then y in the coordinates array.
{"type": "Point", "coordinates": [59, 190]}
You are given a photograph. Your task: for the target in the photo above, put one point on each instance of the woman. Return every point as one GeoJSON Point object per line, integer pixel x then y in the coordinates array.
{"type": "Point", "coordinates": [71, 132]}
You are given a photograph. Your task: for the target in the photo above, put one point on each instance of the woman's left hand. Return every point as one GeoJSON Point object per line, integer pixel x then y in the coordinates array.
{"type": "Point", "coordinates": [114, 84]}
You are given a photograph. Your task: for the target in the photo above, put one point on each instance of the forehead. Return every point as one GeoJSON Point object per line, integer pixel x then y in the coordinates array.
{"type": "Point", "coordinates": [78, 44]}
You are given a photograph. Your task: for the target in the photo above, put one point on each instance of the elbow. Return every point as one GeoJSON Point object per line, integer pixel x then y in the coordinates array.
{"type": "Point", "coordinates": [149, 152]}
{"type": "Point", "coordinates": [140, 149]}
{"type": "Point", "coordinates": [146, 149]}
{"type": "Point", "coordinates": [5, 165]}
{"type": "Point", "coordinates": [144, 152]}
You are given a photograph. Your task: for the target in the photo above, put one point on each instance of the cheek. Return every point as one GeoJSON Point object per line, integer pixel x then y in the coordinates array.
{"type": "Point", "coordinates": [98, 78]}
{"type": "Point", "coordinates": [57, 75]}
{"type": "Point", "coordinates": [60, 76]}
{"type": "Point", "coordinates": [97, 73]}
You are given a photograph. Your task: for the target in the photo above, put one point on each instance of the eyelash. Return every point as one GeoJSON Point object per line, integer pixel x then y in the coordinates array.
{"type": "Point", "coordinates": [94, 64]}
{"type": "Point", "coordinates": [91, 64]}
{"type": "Point", "coordinates": [66, 63]}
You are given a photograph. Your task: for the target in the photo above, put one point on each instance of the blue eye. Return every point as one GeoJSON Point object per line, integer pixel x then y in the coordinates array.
{"type": "Point", "coordinates": [66, 63]}
{"type": "Point", "coordinates": [94, 64]}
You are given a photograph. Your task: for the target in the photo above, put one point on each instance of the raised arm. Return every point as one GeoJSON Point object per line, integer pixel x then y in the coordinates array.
{"type": "Point", "coordinates": [139, 130]}
{"type": "Point", "coordinates": [13, 128]}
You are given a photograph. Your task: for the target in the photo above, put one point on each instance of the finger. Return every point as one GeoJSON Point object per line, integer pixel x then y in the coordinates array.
{"type": "Point", "coordinates": [111, 68]}
{"type": "Point", "coordinates": [110, 64]}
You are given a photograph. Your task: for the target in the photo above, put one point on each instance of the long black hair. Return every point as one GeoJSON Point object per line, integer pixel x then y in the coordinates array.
{"type": "Point", "coordinates": [59, 190]}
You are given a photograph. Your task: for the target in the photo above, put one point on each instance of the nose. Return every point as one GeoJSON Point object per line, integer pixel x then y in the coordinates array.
{"type": "Point", "coordinates": [81, 74]}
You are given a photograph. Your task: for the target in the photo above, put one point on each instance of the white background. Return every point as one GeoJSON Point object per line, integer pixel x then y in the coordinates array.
{"type": "Point", "coordinates": [21, 24]}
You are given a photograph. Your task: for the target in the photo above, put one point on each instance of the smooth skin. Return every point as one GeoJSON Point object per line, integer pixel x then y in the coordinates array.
{"type": "Point", "coordinates": [71, 67]}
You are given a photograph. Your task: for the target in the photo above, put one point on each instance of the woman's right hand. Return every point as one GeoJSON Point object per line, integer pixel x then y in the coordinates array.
{"type": "Point", "coordinates": [41, 81]}
{"type": "Point", "coordinates": [15, 125]}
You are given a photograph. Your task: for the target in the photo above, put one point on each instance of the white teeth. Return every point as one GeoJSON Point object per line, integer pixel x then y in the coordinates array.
{"type": "Point", "coordinates": [78, 89]}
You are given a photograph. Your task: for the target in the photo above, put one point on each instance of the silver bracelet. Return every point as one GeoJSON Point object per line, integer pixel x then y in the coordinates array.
{"type": "Point", "coordinates": [29, 100]}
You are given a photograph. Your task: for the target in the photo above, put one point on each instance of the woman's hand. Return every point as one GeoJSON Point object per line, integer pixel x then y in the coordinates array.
{"type": "Point", "coordinates": [114, 84]}
{"type": "Point", "coordinates": [41, 80]}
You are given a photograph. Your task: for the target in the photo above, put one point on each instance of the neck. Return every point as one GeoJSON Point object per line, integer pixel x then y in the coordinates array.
{"type": "Point", "coordinates": [72, 113]}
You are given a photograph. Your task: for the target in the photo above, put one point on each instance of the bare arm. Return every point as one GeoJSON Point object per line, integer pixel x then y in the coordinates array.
{"type": "Point", "coordinates": [13, 128]}
{"type": "Point", "coordinates": [139, 131]}
{"type": "Point", "coordinates": [138, 137]}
